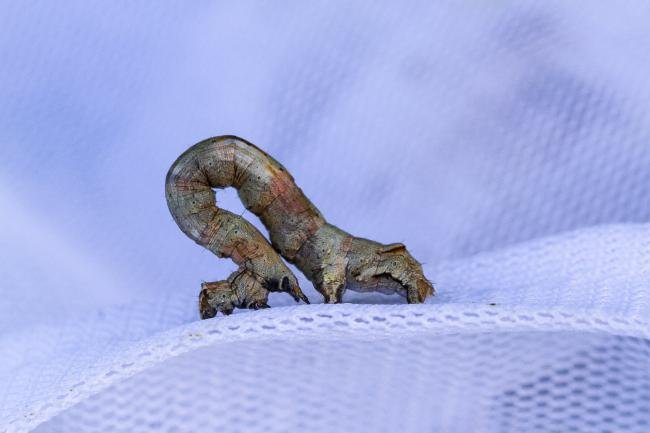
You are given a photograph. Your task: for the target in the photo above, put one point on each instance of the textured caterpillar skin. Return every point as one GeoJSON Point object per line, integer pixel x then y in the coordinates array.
{"type": "Point", "coordinates": [332, 259]}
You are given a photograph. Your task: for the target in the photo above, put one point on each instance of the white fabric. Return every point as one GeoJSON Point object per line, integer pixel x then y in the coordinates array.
{"type": "Point", "coordinates": [507, 145]}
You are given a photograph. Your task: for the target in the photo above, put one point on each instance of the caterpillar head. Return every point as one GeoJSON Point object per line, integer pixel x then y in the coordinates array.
{"type": "Point", "coordinates": [216, 297]}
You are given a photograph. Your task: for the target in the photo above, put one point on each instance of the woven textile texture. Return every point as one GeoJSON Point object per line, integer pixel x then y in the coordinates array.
{"type": "Point", "coordinates": [506, 144]}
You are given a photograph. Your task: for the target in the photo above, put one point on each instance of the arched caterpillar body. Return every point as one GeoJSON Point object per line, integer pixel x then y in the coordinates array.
{"type": "Point", "coordinates": [330, 258]}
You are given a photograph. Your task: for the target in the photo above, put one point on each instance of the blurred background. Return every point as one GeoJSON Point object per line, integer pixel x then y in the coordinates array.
{"type": "Point", "coordinates": [457, 128]}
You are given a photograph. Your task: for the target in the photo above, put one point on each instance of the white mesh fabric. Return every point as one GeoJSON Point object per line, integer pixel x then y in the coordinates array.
{"type": "Point", "coordinates": [507, 145]}
{"type": "Point", "coordinates": [507, 381]}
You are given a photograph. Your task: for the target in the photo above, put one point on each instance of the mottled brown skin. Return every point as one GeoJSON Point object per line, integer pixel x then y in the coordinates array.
{"type": "Point", "coordinates": [332, 259]}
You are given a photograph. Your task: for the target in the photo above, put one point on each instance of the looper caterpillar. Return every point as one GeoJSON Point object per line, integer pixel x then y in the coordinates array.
{"type": "Point", "coordinates": [332, 259]}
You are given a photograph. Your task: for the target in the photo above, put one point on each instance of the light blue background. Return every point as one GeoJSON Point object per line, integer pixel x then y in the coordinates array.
{"type": "Point", "coordinates": [455, 128]}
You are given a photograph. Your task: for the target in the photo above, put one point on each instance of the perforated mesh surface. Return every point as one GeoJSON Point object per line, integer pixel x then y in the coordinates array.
{"type": "Point", "coordinates": [373, 368]}
{"type": "Point", "coordinates": [547, 381]}
{"type": "Point", "coordinates": [507, 145]}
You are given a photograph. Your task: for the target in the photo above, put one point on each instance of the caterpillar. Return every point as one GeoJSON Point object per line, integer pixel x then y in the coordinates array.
{"type": "Point", "coordinates": [332, 259]}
